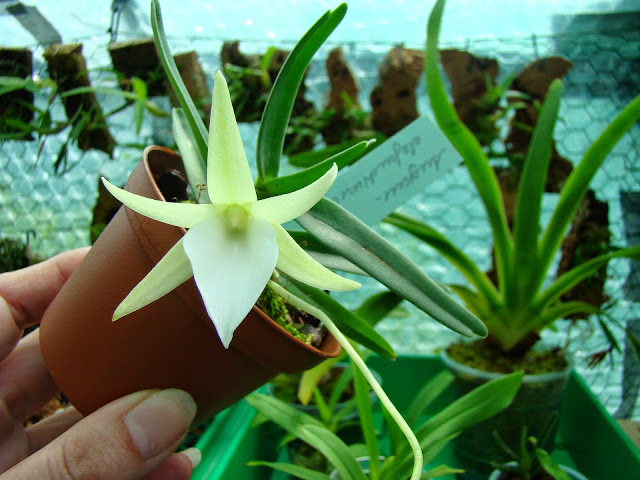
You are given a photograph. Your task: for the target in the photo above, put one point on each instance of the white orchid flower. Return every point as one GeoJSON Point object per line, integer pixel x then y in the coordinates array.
{"type": "Point", "coordinates": [234, 243]}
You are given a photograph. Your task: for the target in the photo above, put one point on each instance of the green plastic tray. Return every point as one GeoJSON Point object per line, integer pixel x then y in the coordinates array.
{"type": "Point", "coordinates": [588, 438]}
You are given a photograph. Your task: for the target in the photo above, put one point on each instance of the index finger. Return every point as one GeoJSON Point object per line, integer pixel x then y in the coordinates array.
{"type": "Point", "coordinates": [25, 294]}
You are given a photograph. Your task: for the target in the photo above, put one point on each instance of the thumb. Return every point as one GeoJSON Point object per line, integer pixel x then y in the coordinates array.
{"type": "Point", "coordinates": [124, 440]}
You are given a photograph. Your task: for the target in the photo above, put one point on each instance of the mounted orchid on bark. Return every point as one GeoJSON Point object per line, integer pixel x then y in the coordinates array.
{"type": "Point", "coordinates": [235, 242]}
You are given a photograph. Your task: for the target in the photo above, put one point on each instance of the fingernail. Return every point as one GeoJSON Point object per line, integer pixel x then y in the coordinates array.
{"type": "Point", "coordinates": [160, 420]}
{"type": "Point", "coordinates": [194, 455]}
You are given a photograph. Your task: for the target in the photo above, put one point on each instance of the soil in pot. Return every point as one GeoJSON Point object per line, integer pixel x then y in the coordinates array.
{"type": "Point", "coordinates": [536, 405]}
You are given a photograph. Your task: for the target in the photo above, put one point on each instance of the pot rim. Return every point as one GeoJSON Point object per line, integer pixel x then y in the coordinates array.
{"type": "Point", "coordinates": [458, 367]}
{"type": "Point", "coordinates": [495, 475]}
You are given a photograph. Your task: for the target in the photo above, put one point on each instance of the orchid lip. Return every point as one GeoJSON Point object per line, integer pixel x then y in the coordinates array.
{"type": "Point", "coordinates": [237, 217]}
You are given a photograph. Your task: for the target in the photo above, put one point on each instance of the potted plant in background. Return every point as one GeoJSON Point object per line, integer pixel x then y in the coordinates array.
{"type": "Point", "coordinates": [531, 462]}
{"type": "Point", "coordinates": [168, 329]}
{"type": "Point", "coordinates": [519, 305]}
{"type": "Point", "coordinates": [393, 457]}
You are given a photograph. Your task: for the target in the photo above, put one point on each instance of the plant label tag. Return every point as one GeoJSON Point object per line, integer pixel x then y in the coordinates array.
{"type": "Point", "coordinates": [401, 167]}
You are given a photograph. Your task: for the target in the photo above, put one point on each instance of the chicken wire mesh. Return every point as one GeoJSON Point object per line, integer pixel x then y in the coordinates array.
{"type": "Point", "coordinates": [57, 207]}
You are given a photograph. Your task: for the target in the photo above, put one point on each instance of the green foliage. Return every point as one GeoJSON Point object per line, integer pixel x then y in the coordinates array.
{"type": "Point", "coordinates": [347, 237]}
{"type": "Point", "coordinates": [13, 255]}
{"type": "Point", "coordinates": [433, 433]}
{"type": "Point", "coordinates": [44, 125]}
{"type": "Point", "coordinates": [530, 460]}
{"type": "Point", "coordinates": [518, 305]}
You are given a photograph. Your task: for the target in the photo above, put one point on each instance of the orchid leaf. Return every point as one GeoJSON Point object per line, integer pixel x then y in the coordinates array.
{"type": "Point", "coordinates": [440, 471]}
{"type": "Point", "coordinates": [140, 90]}
{"type": "Point", "coordinates": [578, 182]}
{"type": "Point", "coordinates": [311, 431]}
{"type": "Point", "coordinates": [295, 470]}
{"type": "Point", "coordinates": [378, 306]}
{"type": "Point", "coordinates": [470, 149]}
{"type": "Point", "coordinates": [579, 273]}
{"type": "Point", "coordinates": [310, 379]}
{"type": "Point", "coordinates": [530, 191]}
{"type": "Point", "coordinates": [175, 79]}
{"type": "Point", "coordinates": [426, 395]}
{"type": "Point", "coordinates": [285, 88]}
{"type": "Point", "coordinates": [551, 466]}
{"type": "Point", "coordinates": [194, 164]}
{"type": "Point", "coordinates": [561, 310]}
{"type": "Point", "coordinates": [365, 412]}
{"type": "Point", "coordinates": [474, 302]}
{"type": "Point", "coordinates": [313, 157]}
{"type": "Point", "coordinates": [447, 249]}
{"type": "Point", "coordinates": [295, 181]}
{"type": "Point", "coordinates": [348, 236]}
{"type": "Point", "coordinates": [348, 322]}
{"type": "Point", "coordinates": [477, 405]}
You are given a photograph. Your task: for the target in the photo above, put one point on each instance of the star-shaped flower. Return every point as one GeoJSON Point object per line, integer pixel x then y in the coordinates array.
{"type": "Point", "coordinates": [234, 243]}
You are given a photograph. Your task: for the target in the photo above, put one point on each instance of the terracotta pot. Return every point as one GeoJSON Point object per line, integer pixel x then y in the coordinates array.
{"type": "Point", "coordinates": [171, 342]}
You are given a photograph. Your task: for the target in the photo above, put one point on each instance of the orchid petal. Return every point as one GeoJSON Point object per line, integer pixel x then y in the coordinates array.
{"type": "Point", "coordinates": [231, 268]}
{"type": "Point", "coordinates": [171, 271]}
{"type": "Point", "coordinates": [229, 178]}
{"type": "Point", "coordinates": [294, 261]}
{"type": "Point", "coordinates": [288, 206]}
{"type": "Point", "coordinates": [179, 214]}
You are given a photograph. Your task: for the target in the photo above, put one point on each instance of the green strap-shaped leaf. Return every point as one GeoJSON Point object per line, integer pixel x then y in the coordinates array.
{"type": "Point", "coordinates": [348, 322]}
{"type": "Point", "coordinates": [195, 165]}
{"type": "Point", "coordinates": [477, 405]}
{"type": "Point", "coordinates": [313, 157]}
{"type": "Point", "coordinates": [556, 311]}
{"type": "Point", "coordinates": [469, 148]}
{"type": "Point", "coordinates": [310, 378]}
{"type": "Point", "coordinates": [171, 69]}
{"type": "Point", "coordinates": [311, 431]}
{"type": "Point", "coordinates": [295, 470]}
{"type": "Point", "coordinates": [440, 471]}
{"type": "Point", "coordinates": [378, 306]}
{"type": "Point", "coordinates": [577, 274]}
{"type": "Point", "coordinates": [365, 412]}
{"type": "Point", "coordinates": [457, 257]}
{"type": "Point", "coordinates": [530, 190]}
{"type": "Point", "coordinates": [295, 181]}
{"type": "Point", "coordinates": [426, 395]}
{"type": "Point", "coordinates": [551, 466]}
{"type": "Point", "coordinates": [347, 235]}
{"type": "Point", "coordinates": [285, 88]}
{"type": "Point", "coordinates": [578, 182]}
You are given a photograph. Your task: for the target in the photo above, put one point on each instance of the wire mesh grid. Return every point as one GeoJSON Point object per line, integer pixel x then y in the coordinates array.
{"type": "Point", "coordinates": [605, 76]}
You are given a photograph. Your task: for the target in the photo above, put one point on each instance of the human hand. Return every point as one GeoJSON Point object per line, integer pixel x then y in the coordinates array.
{"type": "Point", "coordinates": [131, 438]}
